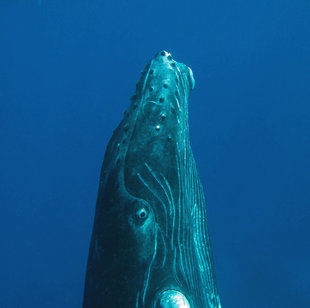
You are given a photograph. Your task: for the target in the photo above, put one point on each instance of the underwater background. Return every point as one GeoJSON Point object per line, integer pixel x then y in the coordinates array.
{"type": "Point", "coordinates": [67, 71]}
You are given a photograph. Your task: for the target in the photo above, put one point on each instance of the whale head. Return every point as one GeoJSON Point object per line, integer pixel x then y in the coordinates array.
{"type": "Point", "coordinates": [150, 245]}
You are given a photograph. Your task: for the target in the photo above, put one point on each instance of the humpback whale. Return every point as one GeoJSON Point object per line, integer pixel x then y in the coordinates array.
{"type": "Point", "coordinates": [150, 246]}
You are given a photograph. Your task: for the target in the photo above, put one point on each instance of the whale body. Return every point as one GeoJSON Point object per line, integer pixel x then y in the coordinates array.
{"type": "Point", "coordinates": [150, 245]}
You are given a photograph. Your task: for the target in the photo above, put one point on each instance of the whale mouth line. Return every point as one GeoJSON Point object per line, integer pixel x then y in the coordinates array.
{"type": "Point", "coordinates": [171, 298]}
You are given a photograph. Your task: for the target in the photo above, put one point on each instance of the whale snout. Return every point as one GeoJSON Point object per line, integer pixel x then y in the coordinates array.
{"type": "Point", "coordinates": [167, 60]}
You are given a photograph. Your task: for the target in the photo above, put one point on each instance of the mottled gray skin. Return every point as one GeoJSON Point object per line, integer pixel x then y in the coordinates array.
{"type": "Point", "coordinates": [150, 246]}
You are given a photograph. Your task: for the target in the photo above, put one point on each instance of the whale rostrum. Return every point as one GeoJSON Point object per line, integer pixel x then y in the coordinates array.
{"type": "Point", "coordinates": [150, 245]}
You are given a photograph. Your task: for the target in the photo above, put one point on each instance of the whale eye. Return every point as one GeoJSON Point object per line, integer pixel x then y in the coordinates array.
{"type": "Point", "coordinates": [141, 214]}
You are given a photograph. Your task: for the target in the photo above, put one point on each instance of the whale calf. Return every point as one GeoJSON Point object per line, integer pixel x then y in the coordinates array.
{"type": "Point", "coordinates": [150, 245]}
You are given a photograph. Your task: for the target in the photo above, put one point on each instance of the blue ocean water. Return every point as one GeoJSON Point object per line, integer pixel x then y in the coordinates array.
{"type": "Point", "coordinates": [67, 70]}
